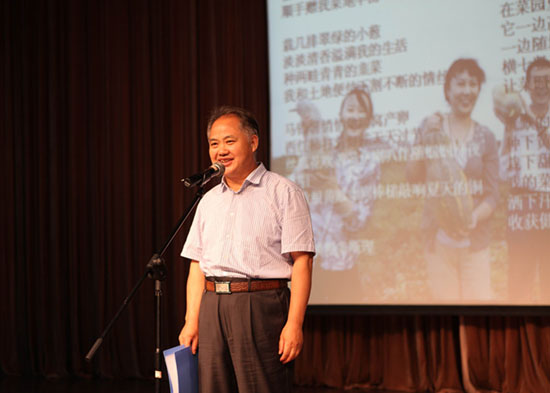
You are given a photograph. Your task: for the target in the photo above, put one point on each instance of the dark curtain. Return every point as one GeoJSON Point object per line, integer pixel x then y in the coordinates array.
{"type": "Point", "coordinates": [103, 111]}
{"type": "Point", "coordinates": [419, 353]}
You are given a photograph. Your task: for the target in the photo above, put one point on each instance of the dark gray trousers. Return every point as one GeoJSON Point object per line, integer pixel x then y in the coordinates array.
{"type": "Point", "coordinates": [239, 342]}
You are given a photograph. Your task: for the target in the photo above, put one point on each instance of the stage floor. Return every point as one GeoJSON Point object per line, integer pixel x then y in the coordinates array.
{"type": "Point", "coordinates": [35, 385]}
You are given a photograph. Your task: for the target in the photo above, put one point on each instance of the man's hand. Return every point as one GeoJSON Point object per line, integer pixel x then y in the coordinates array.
{"type": "Point", "coordinates": [291, 339]}
{"type": "Point", "coordinates": [290, 342]}
{"type": "Point", "coordinates": [189, 336]}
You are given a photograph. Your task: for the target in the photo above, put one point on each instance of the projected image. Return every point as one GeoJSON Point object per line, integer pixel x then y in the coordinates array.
{"type": "Point", "coordinates": [423, 146]}
{"type": "Point", "coordinates": [338, 176]}
{"type": "Point", "coordinates": [460, 168]}
{"type": "Point", "coordinates": [525, 166]}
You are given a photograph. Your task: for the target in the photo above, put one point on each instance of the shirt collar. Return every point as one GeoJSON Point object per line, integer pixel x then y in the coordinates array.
{"type": "Point", "coordinates": [253, 178]}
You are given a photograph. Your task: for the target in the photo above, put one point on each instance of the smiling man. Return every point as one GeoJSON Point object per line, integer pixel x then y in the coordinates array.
{"type": "Point", "coordinates": [251, 235]}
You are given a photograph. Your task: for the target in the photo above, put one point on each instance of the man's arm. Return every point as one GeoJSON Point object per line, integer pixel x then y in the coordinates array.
{"type": "Point", "coordinates": [292, 338]}
{"type": "Point", "coordinates": [189, 335]}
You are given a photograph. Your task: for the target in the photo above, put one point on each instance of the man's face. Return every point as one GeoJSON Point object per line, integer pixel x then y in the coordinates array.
{"type": "Point", "coordinates": [232, 147]}
{"type": "Point", "coordinates": [538, 85]}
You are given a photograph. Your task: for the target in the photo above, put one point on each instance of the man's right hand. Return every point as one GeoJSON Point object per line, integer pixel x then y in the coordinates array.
{"type": "Point", "coordinates": [189, 336]}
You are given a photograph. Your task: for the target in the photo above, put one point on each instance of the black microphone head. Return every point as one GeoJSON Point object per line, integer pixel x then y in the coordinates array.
{"type": "Point", "coordinates": [220, 169]}
{"type": "Point", "coordinates": [214, 170]}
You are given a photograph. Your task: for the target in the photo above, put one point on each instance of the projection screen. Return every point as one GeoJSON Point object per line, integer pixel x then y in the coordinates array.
{"type": "Point", "coordinates": [421, 140]}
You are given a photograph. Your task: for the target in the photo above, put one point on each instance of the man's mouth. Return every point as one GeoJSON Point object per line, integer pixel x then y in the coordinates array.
{"type": "Point", "coordinates": [225, 161]}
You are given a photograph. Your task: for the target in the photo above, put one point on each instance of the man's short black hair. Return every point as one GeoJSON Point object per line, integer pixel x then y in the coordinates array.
{"type": "Point", "coordinates": [247, 119]}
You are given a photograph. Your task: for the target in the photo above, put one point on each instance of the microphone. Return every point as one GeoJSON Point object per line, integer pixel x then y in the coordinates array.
{"type": "Point", "coordinates": [214, 170]}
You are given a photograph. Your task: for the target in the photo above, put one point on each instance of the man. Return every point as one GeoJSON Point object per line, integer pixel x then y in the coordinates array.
{"type": "Point", "coordinates": [250, 235]}
{"type": "Point", "coordinates": [525, 163]}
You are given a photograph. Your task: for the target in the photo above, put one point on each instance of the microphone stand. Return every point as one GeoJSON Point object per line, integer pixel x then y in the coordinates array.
{"type": "Point", "coordinates": [155, 269]}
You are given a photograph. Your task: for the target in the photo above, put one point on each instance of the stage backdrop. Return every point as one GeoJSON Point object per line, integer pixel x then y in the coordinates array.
{"type": "Point", "coordinates": [103, 111]}
{"type": "Point", "coordinates": [104, 108]}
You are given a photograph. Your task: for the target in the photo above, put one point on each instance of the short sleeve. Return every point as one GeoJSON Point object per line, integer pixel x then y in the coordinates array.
{"type": "Point", "coordinates": [297, 231]}
{"type": "Point", "coordinates": [192, 248]}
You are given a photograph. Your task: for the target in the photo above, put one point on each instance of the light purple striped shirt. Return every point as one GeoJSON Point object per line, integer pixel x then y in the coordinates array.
{"type": "Point", "coordinates": [251, 232]}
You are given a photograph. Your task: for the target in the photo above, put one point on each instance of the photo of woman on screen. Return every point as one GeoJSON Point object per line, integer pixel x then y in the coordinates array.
{"type": "Point", "coordinates": [460, 167]}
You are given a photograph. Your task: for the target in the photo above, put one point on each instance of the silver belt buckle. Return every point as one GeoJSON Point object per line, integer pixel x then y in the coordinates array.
{"type": "Point", "coordinates": [222, 287]}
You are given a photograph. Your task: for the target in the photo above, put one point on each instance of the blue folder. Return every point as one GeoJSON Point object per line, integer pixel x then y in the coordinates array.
{"type": "Point", "coordinates": [182, 369]}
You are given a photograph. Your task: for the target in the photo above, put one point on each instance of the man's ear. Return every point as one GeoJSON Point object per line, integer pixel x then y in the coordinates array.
{"type": "Point", "coordinates": [254, 141]}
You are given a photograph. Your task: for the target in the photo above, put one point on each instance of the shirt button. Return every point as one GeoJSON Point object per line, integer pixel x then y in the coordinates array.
{"type": "Point", "coordinates": [231, 214]}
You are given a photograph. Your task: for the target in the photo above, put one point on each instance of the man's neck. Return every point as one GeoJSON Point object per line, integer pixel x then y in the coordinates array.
{"type": "Point", "coordinates": [236, 182]}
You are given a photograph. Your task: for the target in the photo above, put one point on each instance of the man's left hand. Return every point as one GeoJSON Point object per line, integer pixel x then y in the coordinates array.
{"type": "Point", "coordinates": [290, 342]}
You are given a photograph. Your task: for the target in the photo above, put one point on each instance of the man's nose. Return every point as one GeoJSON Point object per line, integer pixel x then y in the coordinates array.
{"type": "Point", "coordinates": [222, 150]}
